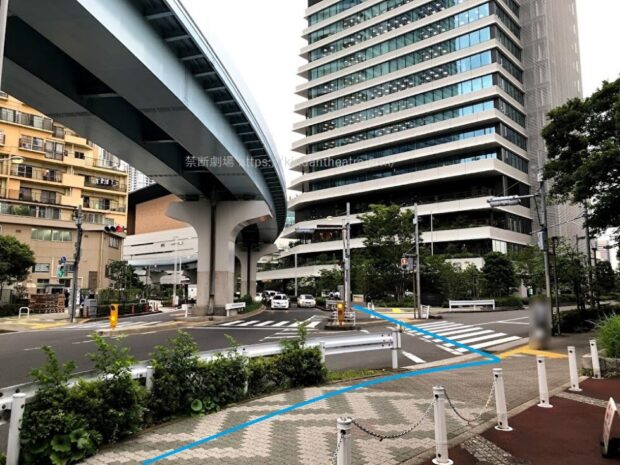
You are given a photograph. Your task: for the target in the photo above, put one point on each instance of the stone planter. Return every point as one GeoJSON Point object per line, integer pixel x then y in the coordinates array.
{"type": "Point", "coordinates": [609, 365]}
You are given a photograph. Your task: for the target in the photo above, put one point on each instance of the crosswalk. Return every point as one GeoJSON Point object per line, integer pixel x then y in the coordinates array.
{"type": "Point", "coordinates": [269, 324]}
{"type": "Point", "coordinates": [99, 325]}
{"type": "Point", "coordinates": [476, 337]}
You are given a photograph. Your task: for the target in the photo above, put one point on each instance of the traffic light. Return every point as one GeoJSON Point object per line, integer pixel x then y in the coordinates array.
{"type": "Point", "coordinates": [115, 229]}
{"type": "Point", "coordinates": [404, 263]}
{"type": "Point", "coordinates": [113, 315]}
{"type": "Point", "coordinates": [61, 271]}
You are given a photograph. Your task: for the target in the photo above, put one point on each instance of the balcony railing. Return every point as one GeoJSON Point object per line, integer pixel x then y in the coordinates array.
{"type": "Point", "coordinates": [26, 119]}
{"type": "Point", "coordinates": [104, 204]}
{"type": "Point", "coordinates": [2, 138]}
{"type": "Point", "coordinates": [104, 183]}
{"type": "Point", "coordinates": [34, 196]}
{"type": "Point", "coordinates": [40, 174]}
{"type": "Point", "coordinates": [59, 132]}
{"type": "Point", "coordinates": [32, 211]}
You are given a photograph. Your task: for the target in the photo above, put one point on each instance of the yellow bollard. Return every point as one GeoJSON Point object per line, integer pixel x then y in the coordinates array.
{"type": "Point", "coordinates": [113, 315]}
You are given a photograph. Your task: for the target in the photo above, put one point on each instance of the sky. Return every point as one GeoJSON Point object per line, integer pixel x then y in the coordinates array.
{"type": "Point", "coordinates": [262, 40]}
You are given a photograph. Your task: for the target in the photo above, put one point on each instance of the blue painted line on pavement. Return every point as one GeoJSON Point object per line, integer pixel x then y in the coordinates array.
{"type": "Point", "coordinates": [489, 359]}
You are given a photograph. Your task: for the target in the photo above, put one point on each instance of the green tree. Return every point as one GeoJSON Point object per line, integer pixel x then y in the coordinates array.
{"type": "Point", "coordinates": [388, 233]}
{"type": "Point", "coordinates": [583, 146]}
{"type": "Point", "coordinates": [329, 279]}
{"type": "Point", "coordinates": [572, 273]}
{"type": "Point", "coordinates": [16, 260]}
{"type": "Point", "coordinates": [123, 276]}
{"type": "Point", "coordinates": [530, 267]}
{"type": "Point", "coordinates": [499, 274]}
{"type": "Point", "coordinates": [605, 278]}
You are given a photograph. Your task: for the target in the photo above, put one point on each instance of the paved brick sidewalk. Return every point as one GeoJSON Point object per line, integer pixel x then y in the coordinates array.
{"type": "Point", "coordinates": [307, 436]}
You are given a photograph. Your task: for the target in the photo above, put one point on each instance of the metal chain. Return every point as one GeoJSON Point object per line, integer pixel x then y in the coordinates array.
{"type": "Point", "coordinates": [381, 437]}
{"type": "Point", "coordinates": [338, 444]}
{"type": "Point", "coordinates": [484, 409]}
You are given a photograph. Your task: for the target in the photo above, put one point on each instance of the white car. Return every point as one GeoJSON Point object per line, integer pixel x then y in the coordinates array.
{"type": "Point", "coordinates": [280, 301]}
{"type": "Point", "coordinates": [306, 300]}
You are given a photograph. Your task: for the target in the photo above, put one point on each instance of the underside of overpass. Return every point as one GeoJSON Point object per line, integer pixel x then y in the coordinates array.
{"type": "Point", "coordinates": [138, 78]}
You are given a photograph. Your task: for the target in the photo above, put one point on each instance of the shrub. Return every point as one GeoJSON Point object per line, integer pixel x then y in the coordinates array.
{"type": "Point", "coordinates": [2, 459]}
{"type": "Point", "coordinates": [174, 366]}
{"type": "Point", "coordinates": [608, 335]}
{"type": "Point", "coordinates": [576, 321]}
{"type": "Point", "coordinates": [219, 382]}
{"type": "Point", "coordinates": [509, 301]}
{"type": "Point", "coordinates": [264, 376]}
{"type": "Point", "coordinates": [301, 365]}
{"type": "Point", "coordinates": [114, 405]}
{"type": "Point", "coordinates": [51, 432]}
{"type": "Point", "coordinates": [9, 309]}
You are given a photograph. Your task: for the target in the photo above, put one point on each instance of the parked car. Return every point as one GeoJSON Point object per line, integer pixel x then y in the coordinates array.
{"type": "Point", "coordinates": [280, 301]}
{"type": "Point", "coordinates": [306, 300]}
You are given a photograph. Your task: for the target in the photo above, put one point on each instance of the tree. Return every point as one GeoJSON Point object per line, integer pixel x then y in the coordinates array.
{"type": "Point", "coordinates": [16, 260]}
{"type": "Point", "coordinates": [572, 273]}
{"type": "Point", "coordinates": [499, 274]}
{"type": "Point", "coordinates": [388, 233]}
{"type": "Point", "coordinates": [605, 278]}
{"type": "Point", "coordinates": [583, 146]}
{"type": "Point", "coordinates": [123, 276]}
{"type": "Point", "coordinates": [329, 279]}
{"type": "Point", "coordinates": [530, 267]}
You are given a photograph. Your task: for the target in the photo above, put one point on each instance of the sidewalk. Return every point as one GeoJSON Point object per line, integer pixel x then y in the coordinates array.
{"type": "Point", "coordinates": [308, 436]}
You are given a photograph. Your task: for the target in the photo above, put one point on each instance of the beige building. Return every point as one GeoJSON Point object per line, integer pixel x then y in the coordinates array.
{"type": "Point", "coordinates": [46, 171]}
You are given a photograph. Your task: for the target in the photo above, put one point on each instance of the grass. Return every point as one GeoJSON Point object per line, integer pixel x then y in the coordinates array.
{"type": "Point", "coordinates": [344, 375]}
{"type": "Point", "coordinates": [608, 335]}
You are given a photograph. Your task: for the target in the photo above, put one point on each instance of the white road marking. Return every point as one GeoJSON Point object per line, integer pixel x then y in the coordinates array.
{"type": "Point", "coordinates": [231, 323]}
{"type": "Point", "coordinates": [492, 343]}
{"type": "Point", "coordinates": [248, 323]}
{"type": "Point", "coordinates": [281, 323]}
{"type": "Point", "coordinates": [412, 357]}
{"type": "Point", "coordinates": [264, 323]}
{"type": "Point", "coordinates": [480, 338]}
{"type": "Point", "coordinates": [314, 324]}
{"type": "Point", "coordinates": [476, 333]}
{"type": "Point", "coordinates": [458, 331]}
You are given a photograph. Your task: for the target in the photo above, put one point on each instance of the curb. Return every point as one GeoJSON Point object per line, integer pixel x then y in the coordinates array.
{"type": "Point", "coordinates": [178, 324]}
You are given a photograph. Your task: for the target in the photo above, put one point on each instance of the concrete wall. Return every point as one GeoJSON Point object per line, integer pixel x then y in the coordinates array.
{"type": "Point", "coordinates": [151, 216]}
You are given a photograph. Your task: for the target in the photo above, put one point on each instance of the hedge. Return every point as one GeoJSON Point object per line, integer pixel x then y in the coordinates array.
{"type": "Point", "coordinates": [64, 425]}
{"type": "Point", "coordinates": [9, 310]}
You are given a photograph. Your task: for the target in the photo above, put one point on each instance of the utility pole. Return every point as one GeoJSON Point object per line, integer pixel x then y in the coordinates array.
{"type": "Point", "coordinates": [346, 258]}
{"type": "Point", "coordinates": [174, 274]}
{"type": "Point", "coordinates": [545, 234]}
{"type": "Point", "coordinates": [554, 242]}
{"type": "Point", "coordinates": [589, 258]}
{"type": "Point", "coordinates": [417, 260]}
{"type": "Point", "coordinates": [295, 275]}
{"type": "Point", "coordinates": [76, 260]}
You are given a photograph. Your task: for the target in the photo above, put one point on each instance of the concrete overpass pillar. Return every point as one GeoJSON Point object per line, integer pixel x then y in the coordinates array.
{"type": "Point", "coordinates": [258, 252]}
{"type": "Point", "coordinates": [198, 215]}
{"type": "Point", "coordinates": [230, 218]}
{"type": "Point", "coordinates": [241, 253]}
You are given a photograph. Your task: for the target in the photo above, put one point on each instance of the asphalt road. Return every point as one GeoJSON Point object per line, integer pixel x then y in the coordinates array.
{"type": "Point", "coordinates": [20, 351]}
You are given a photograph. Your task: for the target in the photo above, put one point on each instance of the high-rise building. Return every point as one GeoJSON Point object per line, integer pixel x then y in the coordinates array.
{"type": "Point", "coordinates": [137, 179]}
{"type": "Point", "coordinates": [438, 103]}
{"type": "Point", "coordinates": [46, 171]}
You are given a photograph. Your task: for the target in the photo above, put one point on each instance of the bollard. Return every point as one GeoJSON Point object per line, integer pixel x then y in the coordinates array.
{"type": "Point", "coordinates": [596, 366]}
{"type": "Point", "coordinates": [17, 413]}
{"type": "Point", "coordinates": [572, 368]}
{"type": "Point", "coordinates": [149, 377]}
{"type": "Point", "coordinates": [322, 349]}
{"type": "Point", "coordinates": [395, 350]}
{"type": "Point", "coordinates": [543, 388]}
{"type": "Point", "coordinates": [344, 451]}
{"type": "Point", "coordinates": [441, 430]}
{"type": "Point", "coordinates": [500, 401]}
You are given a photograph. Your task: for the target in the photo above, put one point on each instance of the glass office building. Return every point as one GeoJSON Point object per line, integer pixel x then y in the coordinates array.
{"type": "Point", "coordinates": [438, 103]}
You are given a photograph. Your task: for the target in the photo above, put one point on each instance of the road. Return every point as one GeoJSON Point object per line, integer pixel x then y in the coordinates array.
{"type": "Point", "coordinates": [20, 351]}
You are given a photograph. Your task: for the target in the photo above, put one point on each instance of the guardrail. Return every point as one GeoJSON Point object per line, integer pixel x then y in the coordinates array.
{"type": "Point", "coordinates": [471, 303]}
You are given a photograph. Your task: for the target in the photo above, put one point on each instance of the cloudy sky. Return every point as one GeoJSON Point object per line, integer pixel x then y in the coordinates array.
{"type": "Point", "coordinates": [262, 40]}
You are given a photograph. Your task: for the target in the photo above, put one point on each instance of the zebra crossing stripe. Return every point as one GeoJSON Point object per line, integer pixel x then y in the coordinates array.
{"type": "Point", "coordinates": [231, 323]}
{"type": "Point", "coordinates": [491, 343]}
{"type": "Point", "coordinates": [481, 338]}
{"type": "Point", "coordinates": [264, 323]}
{"type": "Point", "coordinates": [428, 326]}
{"type": "Point", "coordinates": [314, 324]}
{"type": "Point", "coordinates": [475, 333]}
{"type": "Point", "coordinates": [281, 323]}
{"type": "Point", "coordinates": [459, 331]}
{"type": "Point", "coordinates": [248, 323]}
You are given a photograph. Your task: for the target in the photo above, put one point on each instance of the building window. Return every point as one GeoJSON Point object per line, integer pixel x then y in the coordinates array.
{"type": "Point", "coordinates": [79, 155]}
{"type": "Point", "coordinates": [54, 235]}
{"type": "Point", "coordinates": [41, 268]}
{"type": "Point", "coordinates": [114, 242]}
{"type": "Point", "coordinates": [41, 284]}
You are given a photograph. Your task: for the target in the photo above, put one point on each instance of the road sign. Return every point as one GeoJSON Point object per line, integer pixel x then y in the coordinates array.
{"type": "Point", "coordinates": [610, 414]}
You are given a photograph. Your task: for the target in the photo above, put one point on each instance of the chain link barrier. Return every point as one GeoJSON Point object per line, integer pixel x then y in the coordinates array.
{"type": "Point", "coordinates": [338, 445]}
{"type": "Point", "coordinates": [469, 421]}
{"type": "Point", "coordinates": [381, 437]}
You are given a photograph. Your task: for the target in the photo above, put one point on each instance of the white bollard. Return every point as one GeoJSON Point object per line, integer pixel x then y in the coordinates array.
{"type": "Point", "coordinates": [572, 368]}
{"type": "Point", "coordinates": [17, 413]}
{"type": "Point", "coordinates": [543, 388]}
{"type": "Point", "coordinates": [395, 350]}
{"type": "Point", "coordinates": [149, 377]}
{"type": "Point", "coordinates": [322, 349]}
{"type": "Point", "coordinates": [344, 435]}
{"type": "Point", "coordinates": [596, 365]}
{"type": "Point", "coordinates": [500, 401]}
{"type": "Point", "coordinates": [441, 430]}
